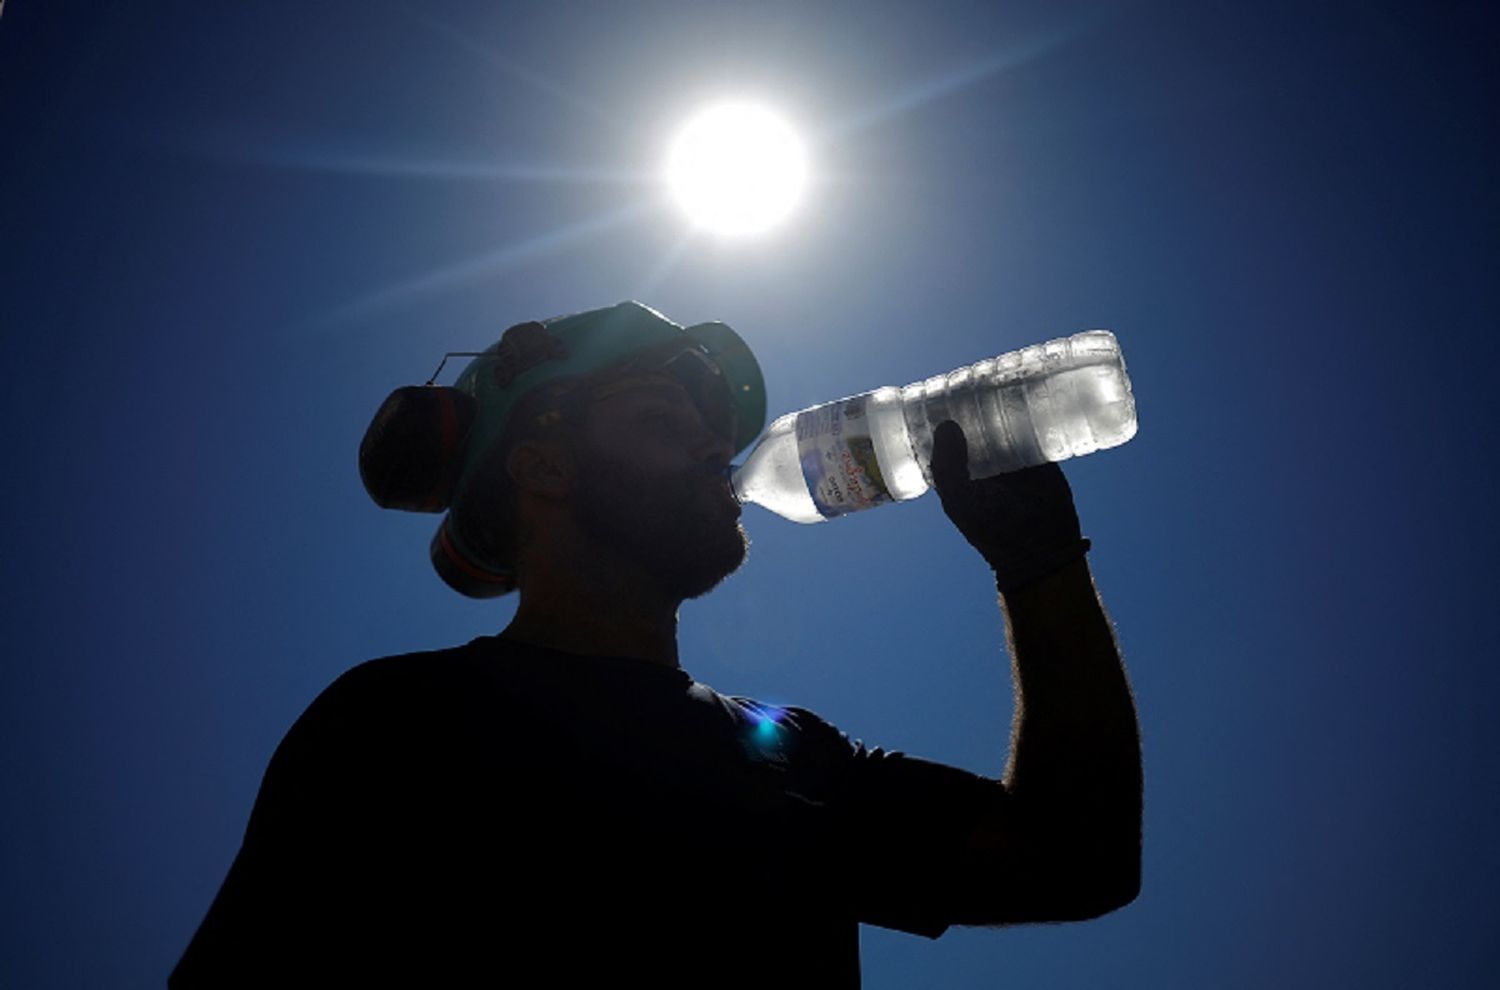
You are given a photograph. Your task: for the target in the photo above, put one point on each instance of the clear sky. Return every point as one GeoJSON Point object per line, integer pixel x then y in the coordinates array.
{"type": "Point", "coordinates": [228, 230]}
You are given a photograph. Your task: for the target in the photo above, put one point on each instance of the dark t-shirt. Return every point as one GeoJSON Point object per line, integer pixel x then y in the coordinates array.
{"type": "Point", "coordinates": [477, 815]}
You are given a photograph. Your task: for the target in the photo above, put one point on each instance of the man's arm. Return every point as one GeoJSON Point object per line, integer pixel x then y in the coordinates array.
{"type": "Point", "coordinates": [1063, 839]}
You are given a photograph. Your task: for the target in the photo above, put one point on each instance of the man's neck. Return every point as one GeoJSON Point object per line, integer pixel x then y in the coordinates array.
{"type": "Point", "coordinates": [602, 613]}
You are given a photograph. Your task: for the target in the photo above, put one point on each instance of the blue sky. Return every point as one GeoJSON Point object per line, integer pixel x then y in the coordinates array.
{"type": "Point", "coordinates": [226, 232]}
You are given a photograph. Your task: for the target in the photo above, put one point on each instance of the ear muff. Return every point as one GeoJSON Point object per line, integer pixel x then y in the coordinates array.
{"type": "Point", "coordinates": [460, 571]}
{"type": "Point", "coordinates": [412, 453]}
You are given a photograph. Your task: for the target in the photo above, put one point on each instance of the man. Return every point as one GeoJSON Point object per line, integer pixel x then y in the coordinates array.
{"type": "Point", "coordinates": [562, 804]}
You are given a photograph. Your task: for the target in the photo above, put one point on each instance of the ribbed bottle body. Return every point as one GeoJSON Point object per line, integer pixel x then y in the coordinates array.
{"type": "Point", "coordinates": [1047, 402]}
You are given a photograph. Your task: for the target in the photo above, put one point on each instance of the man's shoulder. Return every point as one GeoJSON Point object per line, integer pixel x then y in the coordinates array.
{"type": "Point", "coordinates": [410, 689]}
{"type": "Point", "coordinates": [403, 671]}
{"type": "Point", "coordinates": [400, 674]}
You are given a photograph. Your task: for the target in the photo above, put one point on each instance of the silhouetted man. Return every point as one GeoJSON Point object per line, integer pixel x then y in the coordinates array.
{"type": "Point", "coordinates": [563, 805]}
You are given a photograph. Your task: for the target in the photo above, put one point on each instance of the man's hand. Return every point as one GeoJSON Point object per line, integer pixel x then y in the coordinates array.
{"type": "Point", "coordinates": [1022, 523]}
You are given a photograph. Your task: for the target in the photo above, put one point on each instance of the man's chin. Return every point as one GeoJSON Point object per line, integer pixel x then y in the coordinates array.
{"type": "Point", "coordinates": [713, 565]}
{"type": "Point", "coordinates": [688, 547]}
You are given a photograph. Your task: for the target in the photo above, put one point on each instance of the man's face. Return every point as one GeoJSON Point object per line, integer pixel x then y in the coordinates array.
{"type": "Point", "coordinates": [652, 484]}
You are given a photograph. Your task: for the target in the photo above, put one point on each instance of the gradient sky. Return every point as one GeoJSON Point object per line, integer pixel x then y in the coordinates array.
{"type": "Point", "coordinates": [227, 231]}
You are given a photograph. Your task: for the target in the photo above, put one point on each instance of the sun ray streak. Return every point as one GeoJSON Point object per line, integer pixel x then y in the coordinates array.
{"type": "Point", "coordinates": [937, 87]}
{"type": "Point", "coordinates": [510, 67]}
{"type": "Point", "coordinates": [485, 265]}
{"type": "Point", "coordinates": [665, 265]}
{"type": "Point", "coordinates": [933, 89]}
{"type": "Point", "coordinates": [376, 164]}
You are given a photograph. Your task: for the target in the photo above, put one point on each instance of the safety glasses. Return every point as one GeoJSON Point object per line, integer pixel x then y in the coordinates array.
{"type": "Point", "coordinates": [686, 363]}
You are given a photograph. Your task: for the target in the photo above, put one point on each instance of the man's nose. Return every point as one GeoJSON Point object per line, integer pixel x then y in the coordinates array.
{"type": "Point", "coordinates": [713, 446]}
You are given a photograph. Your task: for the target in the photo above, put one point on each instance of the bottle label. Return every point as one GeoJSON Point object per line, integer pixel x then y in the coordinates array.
{"type": "Point", "coordinates": [838, 458]}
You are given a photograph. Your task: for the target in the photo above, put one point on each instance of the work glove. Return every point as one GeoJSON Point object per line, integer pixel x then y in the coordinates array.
{"type": "Point", "coordinates": [1022, 523]}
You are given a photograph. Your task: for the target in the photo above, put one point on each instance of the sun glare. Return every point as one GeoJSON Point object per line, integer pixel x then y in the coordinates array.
{"type": "Point", "coordinates": [736, 169]}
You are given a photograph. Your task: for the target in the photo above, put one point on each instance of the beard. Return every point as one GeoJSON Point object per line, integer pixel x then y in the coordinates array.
{"type": "Point", "coordinates": [679, 529]}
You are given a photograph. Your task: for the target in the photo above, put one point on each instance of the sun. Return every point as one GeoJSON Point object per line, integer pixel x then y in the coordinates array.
{"type": "Point", "coordinates": [736, 169]}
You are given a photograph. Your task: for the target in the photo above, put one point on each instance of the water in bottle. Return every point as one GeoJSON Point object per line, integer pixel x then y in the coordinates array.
{"type": "Point", "coordinates": [1047, 402]}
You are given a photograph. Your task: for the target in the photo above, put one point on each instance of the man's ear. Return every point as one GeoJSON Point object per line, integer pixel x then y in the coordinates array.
{"type": "Point", "coordinates": [542, 468]}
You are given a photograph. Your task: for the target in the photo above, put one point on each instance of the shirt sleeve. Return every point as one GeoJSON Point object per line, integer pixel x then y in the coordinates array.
{"type": "Point", "coordinates": [898, 825]}
{"type": "Point", "coordinates": [314, 892]}
{"type": "Point", "coordinates": [281, 908]}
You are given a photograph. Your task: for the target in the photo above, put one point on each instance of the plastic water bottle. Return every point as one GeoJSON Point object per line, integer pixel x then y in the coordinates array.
{"type": "Point", "coordinates": [1047, 402]}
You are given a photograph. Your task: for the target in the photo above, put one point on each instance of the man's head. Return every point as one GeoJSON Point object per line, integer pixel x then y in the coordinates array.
{"type": "Point", "coordinates": [628, 463]}
{"type": "Point", "coordinates": [638, 476]}
{"type": "Point", "coordinates": [636, 417]}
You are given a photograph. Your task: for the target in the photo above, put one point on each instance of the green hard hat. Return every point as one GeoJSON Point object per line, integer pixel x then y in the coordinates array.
{"type": "Point", "coordinates": [582, 343]}
{"type": "Point", "coordinates": [553, 351]}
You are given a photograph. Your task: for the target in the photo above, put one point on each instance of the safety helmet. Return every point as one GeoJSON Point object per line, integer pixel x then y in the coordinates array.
{"type": "Point", "coordinates": [426, 446]}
